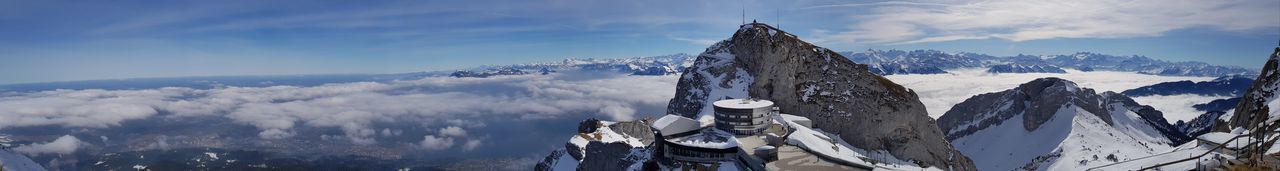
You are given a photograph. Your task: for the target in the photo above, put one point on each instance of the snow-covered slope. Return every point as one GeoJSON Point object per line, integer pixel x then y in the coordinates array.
{"type": "Point", "coordinates": [12, 161]}
{"type": "Point", "coordinates": [1052, 124]}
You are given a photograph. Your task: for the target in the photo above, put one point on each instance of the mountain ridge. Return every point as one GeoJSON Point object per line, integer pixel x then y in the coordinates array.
{"type": "Point", "coordinates": [1051, 123]}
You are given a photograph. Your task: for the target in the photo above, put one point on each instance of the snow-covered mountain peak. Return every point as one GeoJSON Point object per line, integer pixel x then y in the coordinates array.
{"type": "Point", "coordinates": [1052, 123]}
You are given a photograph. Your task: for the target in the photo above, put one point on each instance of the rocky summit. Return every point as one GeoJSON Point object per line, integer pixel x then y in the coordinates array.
{"type": "Point", "coordinates": [1258, 104]}
{"type": "Point", "coordinates": [1053, 124]}
{"type": "Point", "coordinates": [840, 96]}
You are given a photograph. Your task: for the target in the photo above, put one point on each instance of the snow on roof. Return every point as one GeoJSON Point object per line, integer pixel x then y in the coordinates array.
{"type": "Point", "coordinates": [799, 120]}
{"type": "Point", "coordinates": [1223, 137]}
{"type": "Point", "coordinates": [674, 124]}
{"type": "Point", "coordinates": [708, 138]}
{"type": "Point", "coordinates": [743, 103]}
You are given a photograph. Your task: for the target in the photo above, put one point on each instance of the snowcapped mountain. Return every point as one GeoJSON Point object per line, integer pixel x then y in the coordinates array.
{"type": "Point", "coordinates": [1052, 124]}
{"type": "Point", "coordinates": [653, 65]}
{"type": "Point", "coordinates": [602, 145]}
{"type": "Point", "coordinates": [1015, 68]}
{"type": "Point", "coordinates": [840, 96]}
{"type": "Point", "coordinates": [888, 62]}
{"type": "Point", "coordinates": [891, 62]}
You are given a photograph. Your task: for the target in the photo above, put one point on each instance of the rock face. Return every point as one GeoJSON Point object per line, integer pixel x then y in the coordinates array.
{"type": "Point", "coordinates": [840, 96]}
{"type": "Point", "coordinates": [1258, 104]}
{"type": "Point", "coordinates": [1052, 124]}
{"type": "Point", "coordinates": [600, 145]}
{"type": "Point", "coordinates": [1037, 101]}
{"type": "Point", "coordinates": [1200, 125]}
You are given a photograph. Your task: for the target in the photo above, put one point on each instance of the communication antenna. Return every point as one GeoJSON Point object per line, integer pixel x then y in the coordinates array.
{"type": "Point", "coordinates": [744, 12]}
{"type": "Point", "coordinates": [777, 16]}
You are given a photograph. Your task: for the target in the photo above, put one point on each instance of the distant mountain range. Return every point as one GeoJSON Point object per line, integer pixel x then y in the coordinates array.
{"type": "Point", "coordinates": [653, 65]}
{"type": "Point", "coordinates": [889, 62]}
{"type": "Point", "coordinates": [1222, 86]}
{"type": "Point", "coordinates": [880, 62]}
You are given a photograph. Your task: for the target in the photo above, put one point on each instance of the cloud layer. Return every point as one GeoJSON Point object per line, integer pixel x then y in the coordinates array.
{"type": "Point", "coordinates": [445, 105]}
{"type": "Point", "coordinates": [66, 144]}
{"type": "Point", "coordinates": [1017, 20]}
{"type": "Point", "coordinates": [939, 92]}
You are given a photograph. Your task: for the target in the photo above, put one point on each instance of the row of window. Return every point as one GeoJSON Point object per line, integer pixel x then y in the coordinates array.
{"type": "Point", "coordinates": [690, 153]}
{"type": "Point", "coordinates": [760, 122]}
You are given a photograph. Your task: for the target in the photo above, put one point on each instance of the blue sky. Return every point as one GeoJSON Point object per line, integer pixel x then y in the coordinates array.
{"type": "Point", "coordinates": [64, 40]}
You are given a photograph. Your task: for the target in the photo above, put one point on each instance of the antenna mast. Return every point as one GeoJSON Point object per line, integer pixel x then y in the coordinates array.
{"type": "Point", "coordinates": [744, 12]}
{"type": "Point", "coordinates": [778, 16]}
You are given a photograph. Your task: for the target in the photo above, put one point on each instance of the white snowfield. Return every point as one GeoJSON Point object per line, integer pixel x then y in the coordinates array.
{"type": "Point", "coordinates": [939, 92]}
{"type": "Point", "coordinates": [13, 161]}
{"type": "Point", "coordinates": [822, 144]}
{"type": "Point", "coordinates": [743, 103]}
{"type": "Point", "coordinates": [606, 136]}
{"type": "Point", "coordinates": [1073, 139]}
{"type": "Point", "coordinates": [708, 138]}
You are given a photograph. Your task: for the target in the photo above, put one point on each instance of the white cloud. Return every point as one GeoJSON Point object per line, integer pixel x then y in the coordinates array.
{"type": "Point", "coordinates": [82, 108]}
{"type": "Point", "coordinates": [939, 92]}
{"type": "Point", "coordinates": [66, 144]}
{"type": "Point", "coordinates": [704, 42]}
{"type": "Point", "coordinates": [1017, 20]}
{"type": "Point", "coordinates": [431, 142]}
{"type": "Point", "coordinates": [353, 108]}
{"type": "Point", "coordinates": [453, 131]}
{"type": "Point", "coordinates": [1177, 107]}
{"type": "Point", "coordinates": [471, 145]}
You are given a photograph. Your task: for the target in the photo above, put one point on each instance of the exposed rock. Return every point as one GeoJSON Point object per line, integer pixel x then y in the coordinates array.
{"type": "Point", "coordinates": [1037, 101]}
{"type": "Point", "coordinates": [1052, 124]}
{"type": "Point", "coordinates": [607, 156]}
{"type": "Point", "coordinates": [840, 96]}
{"type": "Point", "coordinates": [589, 125]}
{"type": "Point", "coordinates": [1253, 109]}
{"type": "Point", "coordinates": [1200, 125]}
{"type": "Point", "coordinates": [601, 145]}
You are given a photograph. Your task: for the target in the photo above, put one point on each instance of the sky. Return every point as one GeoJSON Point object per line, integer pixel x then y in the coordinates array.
{"type": "Point", "coordinates": [43, 41]}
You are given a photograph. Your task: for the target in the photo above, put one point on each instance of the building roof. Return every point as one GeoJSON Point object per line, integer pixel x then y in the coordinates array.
{"type": "Point", "coordinates": [674, 124]}
{"type": "Point", "coordinates": [709, 138]}
{"type": "Point", "coordinates": [743, 103]}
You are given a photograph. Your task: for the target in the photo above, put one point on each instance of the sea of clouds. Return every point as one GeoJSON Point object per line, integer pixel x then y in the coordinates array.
{"type": "Point", "coordinates": [448, 105]}
{"type": "Point", "coordinates": [450, 109]}
{"type": "Point", "coordinates": [939, 92]}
